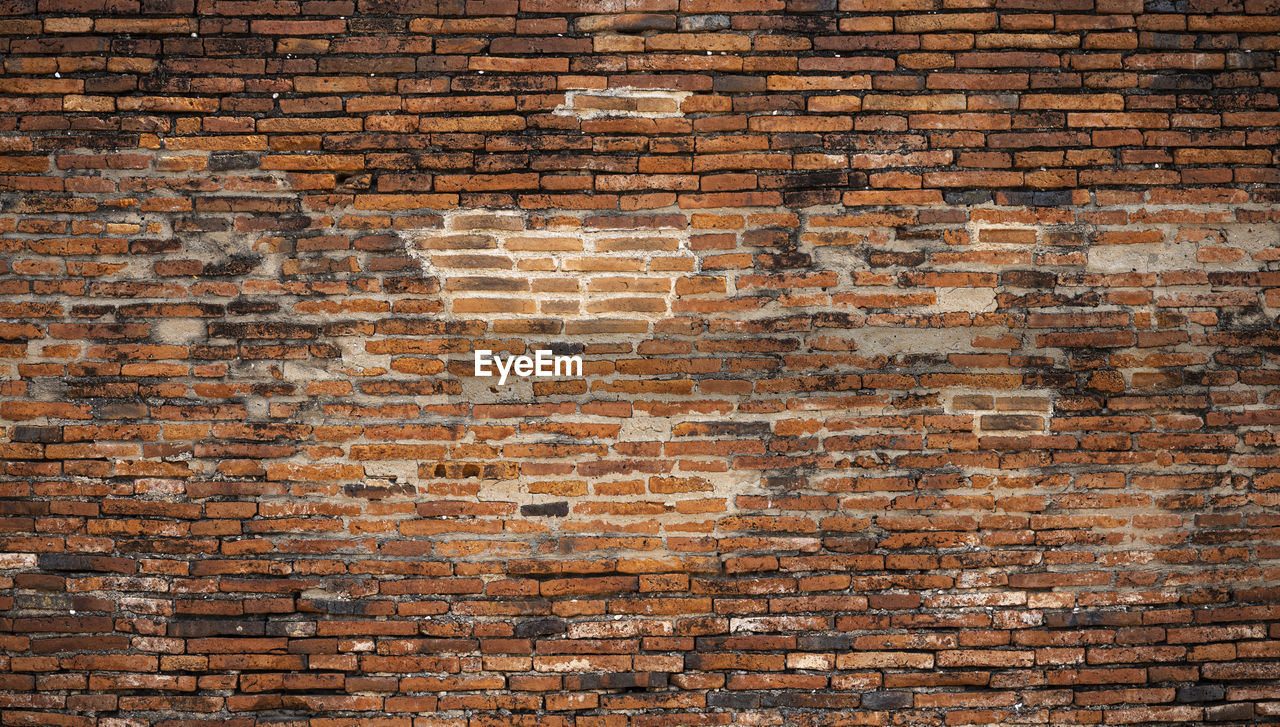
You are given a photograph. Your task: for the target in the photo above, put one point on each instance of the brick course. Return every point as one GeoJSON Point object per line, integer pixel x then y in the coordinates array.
{"type": "Point", "coordinates": [931, 362]}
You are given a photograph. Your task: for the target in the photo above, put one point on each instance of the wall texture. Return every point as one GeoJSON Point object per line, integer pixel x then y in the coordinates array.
{"type": "Point", "coordinates": [931, 362]}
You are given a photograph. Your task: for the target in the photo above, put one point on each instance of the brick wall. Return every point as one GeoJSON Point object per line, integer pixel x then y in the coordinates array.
{"type": "Point", "coordinates": [931, 362]}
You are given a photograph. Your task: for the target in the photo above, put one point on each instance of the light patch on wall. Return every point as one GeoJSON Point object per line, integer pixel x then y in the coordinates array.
{"type": "Point", "coordinates": [1142, 258]}
{"type": "Point", "coordinates": [622, 102]}
{"type": "Point", "coordinates": [965, 300]}
{"type": "Point", "coordinates": [494, 264]}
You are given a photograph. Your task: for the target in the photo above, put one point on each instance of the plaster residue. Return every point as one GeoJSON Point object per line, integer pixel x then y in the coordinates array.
{"type": "Point", "coordinates": [624, 101]}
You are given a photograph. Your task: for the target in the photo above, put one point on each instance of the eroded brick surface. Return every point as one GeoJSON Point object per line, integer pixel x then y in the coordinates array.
{"type": "Point", "coordinates": [931, 360]}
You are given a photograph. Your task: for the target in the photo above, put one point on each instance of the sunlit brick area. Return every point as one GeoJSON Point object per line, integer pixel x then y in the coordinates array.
{"type": "Point", "coordinates": [928, 363]}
